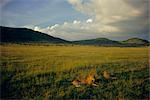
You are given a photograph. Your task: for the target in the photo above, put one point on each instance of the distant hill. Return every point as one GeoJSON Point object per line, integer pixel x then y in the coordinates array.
{"type": "Point", "coordinates": [135, 41]}
{"type": "Point", "coordinates": [107, 42]}
{"type": "Point", "coordinates": [98, 41]}
{"type": "Point", "coordinates": [24, 35]}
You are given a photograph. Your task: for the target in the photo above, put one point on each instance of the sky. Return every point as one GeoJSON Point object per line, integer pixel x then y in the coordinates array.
{"type": "Point", "coordinates": [79, 19]}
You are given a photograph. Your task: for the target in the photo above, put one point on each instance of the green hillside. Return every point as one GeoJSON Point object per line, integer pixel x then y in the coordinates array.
{"type": "Point", "coordinates": [24, 35]}
{"type": "Point", "coordinates": [98, 41]}
{"type": "Point", "coordinates": [135, 41]}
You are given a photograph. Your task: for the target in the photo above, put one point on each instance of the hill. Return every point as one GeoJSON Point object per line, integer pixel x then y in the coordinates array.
{"type": "Point", "coordinates": [135, 41]}
{"type": "Point", "coordinates": [98, 41]}
{"type": "Point", "coordinates": [24, 35]}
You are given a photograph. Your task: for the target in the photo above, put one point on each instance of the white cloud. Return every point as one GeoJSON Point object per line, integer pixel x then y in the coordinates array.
{"type": "Point", "coordinates": [104, 10]}
{"type": "Point", "coordinates": [74, 1]}
{"type": "Point", "coordinates": [108, 18]}
{"type": "Point", "coordinates": [54, 26]}
{"type": "Point", "coordinates": [65, 23]}
{"type": "Point", "coordinates": [77, 30]}
{"type": "Point", "coordinates": [136, 13]}
{"type": "Point", "coordinates": [37, 28]}
{"type": "Point", "coordinates": [116, 16]}
{"type": "Point", "coordinates": [29, 26]}
{"type": "Point", "coordinates": [89, 21]}
{"type": "Point", "coordinates": [76, 22]}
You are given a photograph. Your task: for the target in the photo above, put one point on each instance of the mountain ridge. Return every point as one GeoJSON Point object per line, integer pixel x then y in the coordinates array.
{"type": "Point", "coordinates": [135, 41]}
{"type": "Point", "coordinates": [25, 35]}
{"type": "Point", "coordinates": [98, 41]}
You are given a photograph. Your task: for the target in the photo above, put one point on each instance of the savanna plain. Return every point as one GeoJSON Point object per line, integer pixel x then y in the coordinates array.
{"type": "Point", "coordinates": [47, 72]}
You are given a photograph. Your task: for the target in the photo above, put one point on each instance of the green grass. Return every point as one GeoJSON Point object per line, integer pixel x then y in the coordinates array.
{"type": "Point", "coordinates": [46, 72]}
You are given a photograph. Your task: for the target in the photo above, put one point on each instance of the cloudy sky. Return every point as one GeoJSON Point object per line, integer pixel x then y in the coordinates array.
{"type": "Point", "coordinates": [79, 19]}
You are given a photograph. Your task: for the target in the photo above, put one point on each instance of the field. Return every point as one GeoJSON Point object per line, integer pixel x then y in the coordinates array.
{"type": "Point", "coordinates": [46, 72]}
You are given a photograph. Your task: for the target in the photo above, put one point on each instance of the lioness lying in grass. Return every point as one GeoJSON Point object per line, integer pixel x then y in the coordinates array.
{"type": "Point", "coordinates": [89, 80]}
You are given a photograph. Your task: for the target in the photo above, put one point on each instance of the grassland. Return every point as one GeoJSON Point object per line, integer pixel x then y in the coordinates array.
{"type": "Point", "coordinates": [46, 72]}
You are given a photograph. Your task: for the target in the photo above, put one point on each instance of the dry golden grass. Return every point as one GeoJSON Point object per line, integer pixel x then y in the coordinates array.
{"type": "Point", "coordinates": [41, 72]}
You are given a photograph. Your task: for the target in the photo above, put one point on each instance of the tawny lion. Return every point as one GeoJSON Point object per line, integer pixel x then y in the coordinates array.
{"type": "Point", "coordinates": [89, 80]}
{"type": "Point", "coordinates": [107, 75]}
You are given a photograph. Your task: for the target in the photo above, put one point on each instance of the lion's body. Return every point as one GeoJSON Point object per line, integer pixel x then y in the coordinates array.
{"type": "Point", "coordinates": [89, 80]}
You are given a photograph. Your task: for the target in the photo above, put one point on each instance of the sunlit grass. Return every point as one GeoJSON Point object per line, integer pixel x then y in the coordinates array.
{"type": "Point", "coordinates": [47, 71]}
